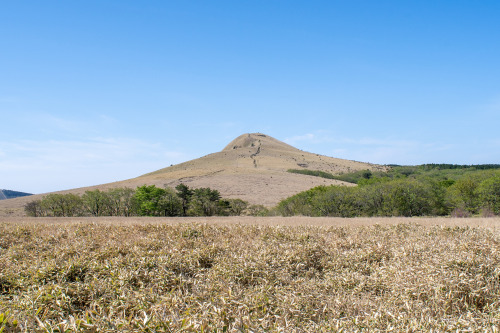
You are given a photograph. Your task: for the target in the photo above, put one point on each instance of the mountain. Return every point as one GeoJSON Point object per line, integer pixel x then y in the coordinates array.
{"type": "Point", "coordinates": [252, 167]}
{"type": "Point", "coordinates": [8, 194]}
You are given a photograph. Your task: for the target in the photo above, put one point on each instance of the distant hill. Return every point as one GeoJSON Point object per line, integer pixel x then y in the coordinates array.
{"type": "Point", "coordinates": [8, 194]}
{"type": "Point", "coordinates": [253, 167]}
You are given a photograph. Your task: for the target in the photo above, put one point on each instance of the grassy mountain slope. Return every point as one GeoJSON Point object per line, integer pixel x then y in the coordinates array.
{"type": "Point", "coordinates": [252, 167]}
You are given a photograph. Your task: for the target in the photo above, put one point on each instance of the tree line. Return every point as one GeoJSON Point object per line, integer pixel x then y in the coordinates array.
{"type": "Point", "coordinates": [430, 193]}
{"type": "Point", "coordinates": [428, 190]}
{"type": "Point", "coordinates": [147, 200]}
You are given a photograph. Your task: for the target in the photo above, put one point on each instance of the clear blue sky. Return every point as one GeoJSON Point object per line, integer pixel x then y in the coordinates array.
{"type": "Point", "coordinates": [98, 91]}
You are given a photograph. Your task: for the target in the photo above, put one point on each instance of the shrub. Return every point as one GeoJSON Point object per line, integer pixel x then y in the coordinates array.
{"type": "Point", "coordinates": [489, 194]}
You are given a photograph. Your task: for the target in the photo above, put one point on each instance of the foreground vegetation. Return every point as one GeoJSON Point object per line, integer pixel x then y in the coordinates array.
{"type": "Point", "coordinates": [426, 190]}
{"type": "Point", "coordinates": [198, 278]}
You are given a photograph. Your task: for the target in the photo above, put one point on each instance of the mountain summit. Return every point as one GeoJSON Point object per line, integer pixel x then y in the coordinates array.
{"type": "Point", "coordinates": [253, 167]}
{"type": "Point", "coordinates": [252, 140]}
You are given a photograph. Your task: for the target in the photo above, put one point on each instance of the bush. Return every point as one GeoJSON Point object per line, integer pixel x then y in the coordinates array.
{"type": "Point", "coordinates": [33, 208]}
{"type": "Point", "coordinates": [489, 194]}
{"type": "Point", "coordinates": [59, 205]}
{"type": "Point", "coordinates": [400, 197]}
{"type": "Point", "coordinates": [258, 210]}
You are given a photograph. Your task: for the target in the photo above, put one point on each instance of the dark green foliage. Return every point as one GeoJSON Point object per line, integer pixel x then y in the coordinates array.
{"type": "Point", "coordinates": [352, 177]}
{"type": "Point", "coordinates": [96, 202]}
{"type": "Point", "coordinates": [258, 210]}
{"type": "Point", "coordinates": [301, 203]}
{"type": "Point", "coordinates": [316, 173]}
{"type": "Point", "coordinates": [205, 202]}
{"type": "Point", "coordinates": [170, 203]}
{"type": "Point", "coordinates": [34, 208]}
{"type": "Point", "coordinates": [463, 194]}
{"type": "Point", "coordinates": [408, 198]}
{"type": "Point", "coordinates": [147, 200]}
{"type": "Point", "coordinates": [236, 207]}
{"type": "Point", "coordinates": [443, 172]}
{"type": "Point", "coordinates": [62, 205]}
{"type": "Point", "coordinates": [458, 166]}
{"type": "Point", "coordinates": [489, 194]}
{"type": "Point", "coordinates": [404, 191]}
{"type": "Point", "coordinates": [120, 201]}
{"type": "Point", "coordinates": [336, 201]}
{"type": "Point", "coordinates": [185, 194]}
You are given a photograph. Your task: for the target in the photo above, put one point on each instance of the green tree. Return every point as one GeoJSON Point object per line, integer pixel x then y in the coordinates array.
{"type": "Point", "coordinates": [372, 197]}
{"type": "Point", "coordinates": [56, 204]}
{"type": "Point", "coordinates": [258, 210]}
{"type": "Point", "coordinates": [51, 205]}
{"type": "Point", "coordinates": [34, 208]}
{"type": "Point", "coordinates": [408, 197]}
{"type": "Point", "coordinates": [204, 202]}
{"type": "Point", "coordinates": [185, 193]}
{"type": "Point", "coordinates": [96, 202]}
{"type": "Point", "coordinates": [300, 203]}
{"type": "Point", "coordinates": [489, 194]}
{"type": "Point", "coordinates": [463, 194]}
{"type": "Point", "coordinates": [73, 204]}
{"type": "Point", "coordinates": [237, 206]}
{"type": "Point", "coordinates": [170, 203]}
{"type": "Point", "coordinates": [337, 201]}
{"type": "Point", "coordinates": [148, 199]}
{"type": "Point", "coordinates": [120, 201]}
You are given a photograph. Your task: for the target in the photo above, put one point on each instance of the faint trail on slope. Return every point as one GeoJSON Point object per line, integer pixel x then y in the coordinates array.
{"type": "Point", "coordinates": [2, 195]}
{"type": "Point", "coordinates": [254, 155]}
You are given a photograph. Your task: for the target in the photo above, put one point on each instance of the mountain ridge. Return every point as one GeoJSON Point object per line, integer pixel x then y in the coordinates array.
{"type": "Point", "coordinates": [9, 194]}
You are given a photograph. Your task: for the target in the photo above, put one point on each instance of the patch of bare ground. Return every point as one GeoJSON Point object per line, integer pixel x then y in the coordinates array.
{"type": "Point", "coordinates": [249, 274]}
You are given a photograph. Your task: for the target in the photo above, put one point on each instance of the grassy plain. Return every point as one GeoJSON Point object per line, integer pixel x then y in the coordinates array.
{"type": "Point", "coordinates": [250, 274]}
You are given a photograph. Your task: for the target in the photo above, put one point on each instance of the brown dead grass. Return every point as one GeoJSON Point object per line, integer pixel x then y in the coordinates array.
{"type": "Point", "coordinates": [249, 275]}
{"type": "Point", "coordinates": [486, 222]}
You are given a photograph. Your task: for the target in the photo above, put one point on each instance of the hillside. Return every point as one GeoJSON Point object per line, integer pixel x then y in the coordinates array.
{"type": "Point", "coordinates": [252, 167]}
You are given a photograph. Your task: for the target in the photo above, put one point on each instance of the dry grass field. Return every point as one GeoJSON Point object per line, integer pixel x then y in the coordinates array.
{"type": "Point", "coordinates": [249, 274]}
